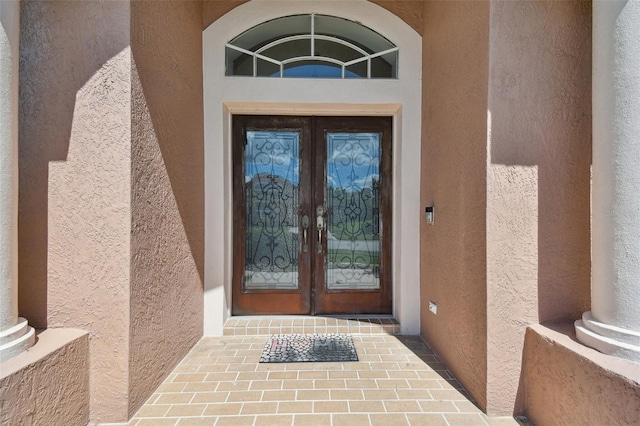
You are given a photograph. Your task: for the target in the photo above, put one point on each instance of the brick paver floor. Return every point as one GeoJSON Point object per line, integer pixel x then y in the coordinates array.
{"type": "Point", "coordinates": [398, 381]}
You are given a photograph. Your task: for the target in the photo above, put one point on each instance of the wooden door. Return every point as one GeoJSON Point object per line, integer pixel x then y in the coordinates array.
{"type": "Point", "coordinates": [353, 185]}
{"type": "Point", "coordinates": [312, 215]}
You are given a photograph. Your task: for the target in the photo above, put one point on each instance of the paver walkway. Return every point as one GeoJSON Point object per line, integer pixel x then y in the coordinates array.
{"type": "Point", "coordinates": [398, 381]}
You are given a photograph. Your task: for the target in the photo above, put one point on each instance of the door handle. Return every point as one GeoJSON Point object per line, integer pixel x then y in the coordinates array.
{"type": "Point", "coordinates": [305, 228]}
{"type": "Point", "coordinates": [320, 225]}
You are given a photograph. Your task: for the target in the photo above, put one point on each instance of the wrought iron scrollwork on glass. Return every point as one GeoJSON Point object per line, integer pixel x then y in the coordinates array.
{"type": "Point", "coordinates": [353, 201]}
{"type": "Point", "coordinates": [271, 191]}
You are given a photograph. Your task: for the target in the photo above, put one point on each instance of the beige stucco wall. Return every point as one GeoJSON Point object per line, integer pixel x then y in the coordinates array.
{"type": "Point", "coordinates": [506, 155]}
{"type": "Point", "coordinates": [539, 154]}
{"type": "Point", "coordinates": [111, 193]}
{"type": "Point", "coordinates": [55, 64]}
{"type": "Point", "coordinates": [453, 249]}
{"type": "Point", "coordinates": [49, 384]}
{"type": "Point", "coordinates": [167, 224]}
{"type": "Point", "coordinates": [568, 383]}
{"type": "Point", "coordinates": [75, 182]}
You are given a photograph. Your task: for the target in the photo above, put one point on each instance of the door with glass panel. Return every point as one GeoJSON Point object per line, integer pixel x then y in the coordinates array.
{"type": "Point", "coordinates": [312, 215]}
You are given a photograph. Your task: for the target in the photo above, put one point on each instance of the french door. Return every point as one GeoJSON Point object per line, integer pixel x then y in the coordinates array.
{"type": "Point", "coordinates": [312, 215]}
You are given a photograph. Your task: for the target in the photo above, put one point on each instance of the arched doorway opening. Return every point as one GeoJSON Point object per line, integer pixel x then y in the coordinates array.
{"type": "Point", "coordinates": [226, 96]}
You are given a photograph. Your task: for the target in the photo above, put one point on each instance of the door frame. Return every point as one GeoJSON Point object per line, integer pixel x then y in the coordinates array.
{"type": "Point", "coordinates": [268, 301]}
{"type": "Point", "coordinates": [368, 302]}
{"type": "Point", "coordinates": [224, 96]}
{"type": "Point", "coordinates": [312, 295]}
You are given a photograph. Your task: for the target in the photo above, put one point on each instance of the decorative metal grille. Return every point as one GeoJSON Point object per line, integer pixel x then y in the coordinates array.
{"type": "Point", "coordinates": [271, 190]}
{"type": "Point", "coordinates": [353, 200]}
{"type": "Point", "coordinates": [311, 46]}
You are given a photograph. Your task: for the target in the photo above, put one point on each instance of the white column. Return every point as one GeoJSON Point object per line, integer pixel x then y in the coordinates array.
{"type": "Point", "coordinates": [613, 324]}
{"type": "Point", "coordinates": [15, 335]}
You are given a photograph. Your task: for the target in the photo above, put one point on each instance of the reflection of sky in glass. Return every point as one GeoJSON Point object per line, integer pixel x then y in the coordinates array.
{"type": "Point", "coordinates": [316, 71]}
{"type": "Point", "coordinates": [273, 153]}
{"type": "Point", "coordinates": [353, 159]}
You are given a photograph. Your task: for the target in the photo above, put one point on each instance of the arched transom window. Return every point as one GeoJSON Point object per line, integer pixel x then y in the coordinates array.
{"type": "Point", "coordinates": [312, 46]}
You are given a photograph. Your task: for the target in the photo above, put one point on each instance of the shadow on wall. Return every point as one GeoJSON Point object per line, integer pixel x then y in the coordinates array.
{"type": "Point", "coordinates": [167, 84]}
{"type": "Point", "coordinates": [62, 45]}
{"type": "Point", "coordinates": [539, 170]}
{"type": "Point", "coordinates": [167, 191]}
{"type": "Point", "coordinates": [541, 130]}
{"type": "Point", "coordinates": [454, 157]}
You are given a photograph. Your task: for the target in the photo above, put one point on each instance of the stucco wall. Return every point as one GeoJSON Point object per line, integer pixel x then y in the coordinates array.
{"type": "Point", "coordinates": [506, 155]}
{"type": "Point", "coordinates": [538, 243]}
{"type": "Point", "coordinates": [49, 384]}
{"type": "Point", "coordinates": [167, 228]}
{"type": "Point", "coordinates": [75, 173]}
{"type": "Point", "coordinates": [455, 76]}
{"type": "Point", "coordinates": [54, 65]}
{"type": "Point", "coordinates": [111, 193]}
{"type": "Point", "coordinates": [567, 383]}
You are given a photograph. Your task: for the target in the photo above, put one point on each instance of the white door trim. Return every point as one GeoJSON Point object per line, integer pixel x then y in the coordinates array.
{"type": "Point", "coordinates": [225, 96]}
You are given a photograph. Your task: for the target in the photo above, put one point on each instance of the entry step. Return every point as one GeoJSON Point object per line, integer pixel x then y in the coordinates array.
{"type": "Point", "coordinates": [269, 325]}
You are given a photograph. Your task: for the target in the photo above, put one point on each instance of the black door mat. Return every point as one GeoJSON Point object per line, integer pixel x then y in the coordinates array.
{"type": "Point", "coordinates": [309, 348]}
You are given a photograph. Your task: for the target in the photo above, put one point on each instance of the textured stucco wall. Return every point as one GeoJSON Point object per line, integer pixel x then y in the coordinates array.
{"type": "Point", "coordinates": [567, 383]}
{"type": "Point", "coordinates": [75, 174]}
{"type": "Point", "coordinates": [538, 243]}
{"type": "Point", "coordinates": [506, 155]}
{"type": "Point", "coordinates": [54, 64]}
{"type": "Point", "coordinates": [49, 384]}
{"type": "Point", "coordinates": [111, 147]}
{"type": "Point", "coordinates": [455, 76]}
{"type": "Point", "coordinates": [167, 224]}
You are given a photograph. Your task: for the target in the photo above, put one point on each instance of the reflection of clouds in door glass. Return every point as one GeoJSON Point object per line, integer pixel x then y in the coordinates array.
{"type": "Point", "coordinates": [272, 153]}
{"type": "Point", "coordinates": [367, 181]}
{"type": "Point", "coordinates": [271, 219]}
{"type": "Point", "coordinates": [353, 160]}
{"type": "Point", "coordinates": [353, 219]}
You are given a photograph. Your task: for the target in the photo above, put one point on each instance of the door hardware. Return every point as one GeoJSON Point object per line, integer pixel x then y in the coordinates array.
{"type": "Point", "coordinates": [320, 225]}
{"type": "Point", "coordinates": [305, 228]}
